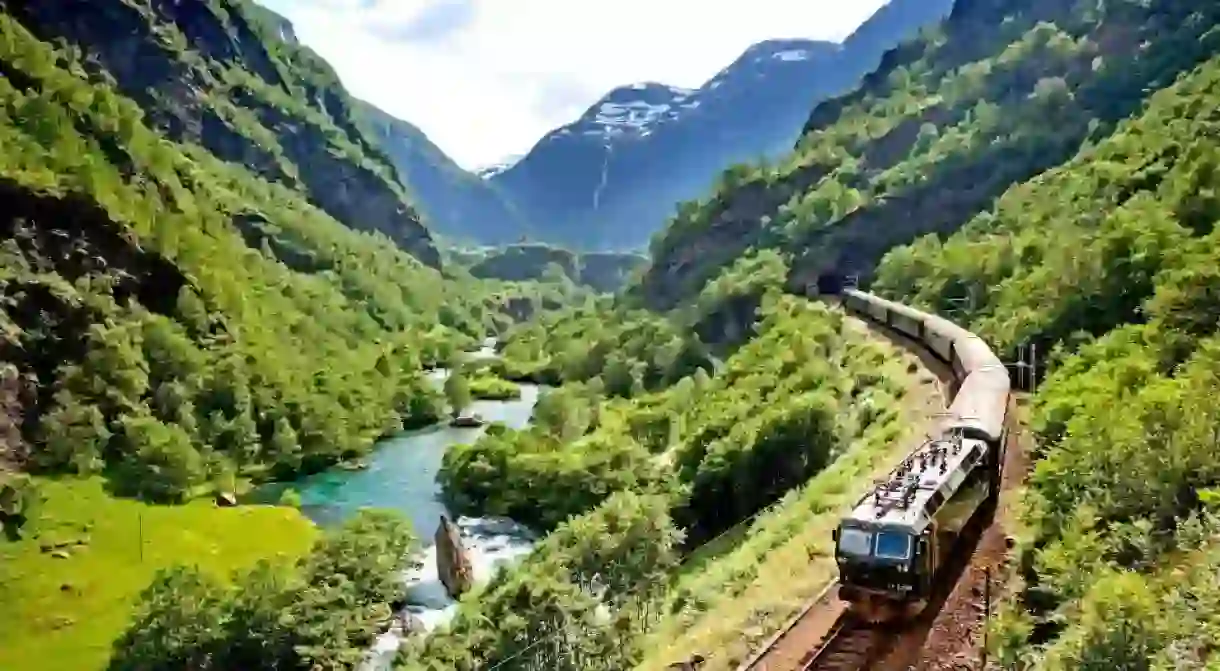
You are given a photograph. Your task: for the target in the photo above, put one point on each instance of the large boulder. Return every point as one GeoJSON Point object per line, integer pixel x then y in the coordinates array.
{"type": "Point", "coordinates": [452, 563]}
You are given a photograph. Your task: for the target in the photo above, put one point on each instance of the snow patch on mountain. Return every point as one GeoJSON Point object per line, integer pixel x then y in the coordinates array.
{"type": "Point", "coordinates": [487, 172]}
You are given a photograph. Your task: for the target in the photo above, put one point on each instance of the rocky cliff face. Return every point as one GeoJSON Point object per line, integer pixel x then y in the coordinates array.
{"type": "Point", "coordinates": [611, 178]}
{"type": "Point", "coordinates": [219, 73]}
{"type": "Point", "coordinates": [452, 563]}
{"type": "Point", "coordinates": [74, 240]}
{"type": "Point", "coordinates": [456, 203]}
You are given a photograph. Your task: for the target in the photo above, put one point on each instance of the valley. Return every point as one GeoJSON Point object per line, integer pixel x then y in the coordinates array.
{"type": "Point", "coordinates": [257, 336]}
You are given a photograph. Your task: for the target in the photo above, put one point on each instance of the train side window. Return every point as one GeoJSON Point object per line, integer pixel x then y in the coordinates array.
{"type": "Point", "coordinates": [893, 545]}
{"type": "Point", "coordinates": [855, 541]}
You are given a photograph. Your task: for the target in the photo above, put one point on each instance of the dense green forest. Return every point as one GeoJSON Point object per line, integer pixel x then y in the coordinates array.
{"type": "Point", "coordinates": [601, 271]}
{"type": "Point", "coordinates": [179, 320]}
{"type": "Point", "coordinates": [1106, 263]}
{"type": "Point", "coordinates": [152, 339]}
{"type": "Point", "coordinates": [1111, 260]}
{"type": "Point", "coordinates": [320, 614]}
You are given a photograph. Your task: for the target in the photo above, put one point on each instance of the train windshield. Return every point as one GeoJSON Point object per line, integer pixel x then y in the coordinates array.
{"type": "Point", "coordinates": [893, 545]}
{"type": "Point", "coordinates": [855, 541]}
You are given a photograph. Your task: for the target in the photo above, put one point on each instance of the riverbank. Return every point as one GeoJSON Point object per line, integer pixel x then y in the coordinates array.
{"type": "Point", "coordinates": [64, 610]}
{"type": "Point", "coordinates": [400, 473]}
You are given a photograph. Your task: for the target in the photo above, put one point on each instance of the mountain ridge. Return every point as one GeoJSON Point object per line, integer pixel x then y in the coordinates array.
{"type": "Point", "coordinates": [625, 163]}
{"type": "Point", "coordinates": [457, 204]}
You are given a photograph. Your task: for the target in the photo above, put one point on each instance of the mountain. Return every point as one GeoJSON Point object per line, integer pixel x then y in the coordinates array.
{"type": "Point", "coordinates": [489, 171]}
{"type": "Point", "coordinates": [612, 177]}
{"type": "Point", "coordinates": [218, 76]}
{"type": "Point", "coordinates": [928, 140]}
{"type": "Point", "coordinates": [1046, 174]}
{"type": "Point", "coordinates": [456, 204]}
{"type": "Point", "coordinates": [1110, 262]}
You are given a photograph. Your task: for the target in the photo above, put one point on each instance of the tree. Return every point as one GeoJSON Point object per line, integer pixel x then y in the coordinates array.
{"type": "Point", "coordinates": [19, 501]}
{"type": "Point", "coordinates": [322, 615]}
{"type": "Point", "coordinates": [162, 464]}
{"type": "Point", "coordinates": [457, 390]}
{"type": "Point", "coordinates": [179, 624]}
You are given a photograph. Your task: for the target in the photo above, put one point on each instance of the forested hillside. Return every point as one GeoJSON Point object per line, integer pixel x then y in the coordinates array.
{"type": "Point", "coordinates": [213, 73]}
{"type": "Point", "coordinates": [1066, 156]}
{"type": "Point", "coordinates": [1002, 90]}
{"type": "Point", "coordinates": [643, 457]}
{"type": "Point", "coordinates": [209, 276]}
{"type": "Point", "coordinates": [1111, 260]}
{"type": "Point", "coordinates": [150, 288]}
{"type": "Point", "coordinates": [186, 304]}
{"type": "Point", "coordinates": [602, 271]}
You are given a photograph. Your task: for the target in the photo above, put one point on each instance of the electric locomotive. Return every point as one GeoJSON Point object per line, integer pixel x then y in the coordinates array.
{"type": "Point", "coordinates": [894, 544]}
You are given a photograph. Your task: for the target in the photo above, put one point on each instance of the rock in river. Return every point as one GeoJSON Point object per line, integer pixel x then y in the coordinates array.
{"type": "Point", "coordinates": [466, 421]}
{"type": "Point", "coordinates": [453, 565]}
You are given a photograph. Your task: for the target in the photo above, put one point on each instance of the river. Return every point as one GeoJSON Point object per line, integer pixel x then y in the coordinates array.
{"type": "Point", "coordinates": [401, 475]}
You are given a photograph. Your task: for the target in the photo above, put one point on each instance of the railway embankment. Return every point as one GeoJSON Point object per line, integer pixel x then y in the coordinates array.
{"type": "Point", "coordinates": [950, 632]}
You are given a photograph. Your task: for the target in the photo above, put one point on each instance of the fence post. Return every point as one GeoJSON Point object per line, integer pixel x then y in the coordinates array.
{"type": "Point", "coordinates": [1033, 363]}
{"type": "Point", "coordinates": [986, 615]}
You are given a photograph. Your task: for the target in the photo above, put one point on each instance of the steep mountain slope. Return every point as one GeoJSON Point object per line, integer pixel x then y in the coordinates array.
{"type": "Point", "coordinates": [456, 204]}
{"type": "Point", "coordinates": [609, 179]}
{"type": "Point", "coordinates": [1107, 261]}
{"type": "Point", "coordinates": [219, 75]}
{"type": "Point", "coordinates": [174, 325]}
{"type": "Point", "coordinates": [1111, 262]}
{"type": "Point", "coordinates": [150, 287]}
{"type": "Point", "coordinates": [1002, 90]}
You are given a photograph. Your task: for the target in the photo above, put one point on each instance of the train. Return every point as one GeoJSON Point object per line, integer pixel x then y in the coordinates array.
{"type": "Point", "coordinates": [894, 546]}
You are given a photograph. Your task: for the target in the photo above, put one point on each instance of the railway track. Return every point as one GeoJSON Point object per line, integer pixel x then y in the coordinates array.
{"type": "Point", "coordinates": [823, 636]}
{"type": "Point", "coordinates": [849, 646]}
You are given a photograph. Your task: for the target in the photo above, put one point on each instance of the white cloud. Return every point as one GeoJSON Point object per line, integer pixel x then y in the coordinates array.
{"type": "Point", "coordinates": [487, 78]}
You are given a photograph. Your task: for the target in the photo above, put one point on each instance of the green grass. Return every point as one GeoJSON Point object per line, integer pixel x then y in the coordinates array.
{"type": "Point", "coordinates": [62, 614]}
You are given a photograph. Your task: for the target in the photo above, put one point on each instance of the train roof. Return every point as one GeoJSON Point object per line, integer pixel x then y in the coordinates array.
{"type": "Point", "coordinates": [981, 403]}
{"type": "Point", "coordinates": [912, 493]}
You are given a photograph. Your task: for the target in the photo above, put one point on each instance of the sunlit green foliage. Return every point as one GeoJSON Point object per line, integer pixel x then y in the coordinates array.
{"type": "Point", "coordinates": [629, 350]}
{"type": "Point", "coordinates": [291, 343]}
{"type": "Point", "coordinates": [627, 541]}
{"type": "Point", "coordinates": [64, 612]}
{"type": "Point", "coordinates": [323, 614]}
{"type": "Point", "coordinates": [803, 370]}
{"type": "Point", "coordinates": [1105, 263]}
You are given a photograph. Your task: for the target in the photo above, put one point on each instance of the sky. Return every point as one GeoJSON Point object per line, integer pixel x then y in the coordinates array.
{"type": "Point", "coordinates": [485, 79]}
